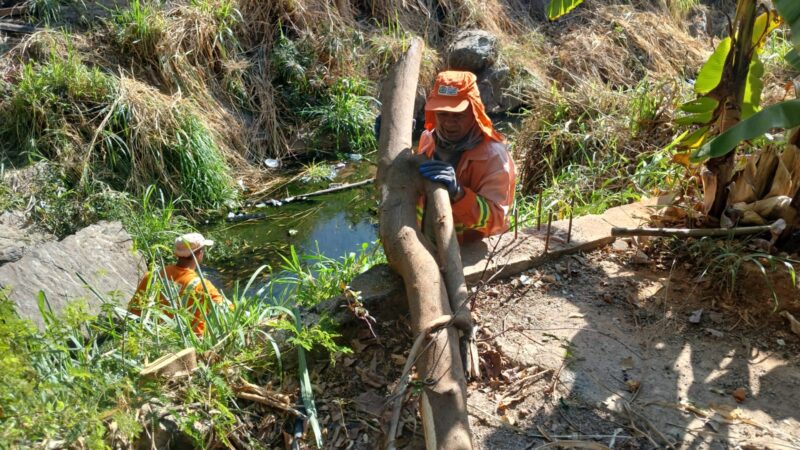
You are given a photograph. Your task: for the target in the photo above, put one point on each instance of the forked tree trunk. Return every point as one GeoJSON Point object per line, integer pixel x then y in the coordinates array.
{"type": "Point", "coordinates": [443, 401]}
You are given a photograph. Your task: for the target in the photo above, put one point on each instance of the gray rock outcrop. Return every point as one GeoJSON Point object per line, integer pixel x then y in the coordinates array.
{"type": "Point", "coordinates": [472, 50]}
{"type": "Point", "coordinates": [477, 51]}
{"type": "Point", "coordinates": [102, 253]}
{"type": "Point", "coordinates": [17, 237]}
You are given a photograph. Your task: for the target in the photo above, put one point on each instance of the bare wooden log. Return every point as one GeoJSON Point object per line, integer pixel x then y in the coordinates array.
{"type": "Point", "coordinates": [172, 365]}
{"type": "Point", "coordinates": [693, 232]}
{"type": "Point", "coordinates": [410, 255]}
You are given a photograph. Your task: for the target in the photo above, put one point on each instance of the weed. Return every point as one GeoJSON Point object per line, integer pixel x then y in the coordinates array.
{"type": "Point", "coordinates": [722, 261]}
{"type": "Point", "coordinates": [310, 279]}
{"type": "Point", "coordinates": [139, 28]}
{"type": "Point", "coordinates": [345, 117]}
{"type": "Point", "coordinates": [317, 172]}
{"type": "Point", "coordinates": [64, 382]}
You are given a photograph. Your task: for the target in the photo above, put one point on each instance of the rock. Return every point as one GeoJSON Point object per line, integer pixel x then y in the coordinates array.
{"type": "Point", "coordinates": [17, 237]}
{"type": "Point", "coordinates": [102, 253]}
{"type": "Point", "coordinates": [698, 23]}
{"type": "Point", "coordinates": [472, 50]}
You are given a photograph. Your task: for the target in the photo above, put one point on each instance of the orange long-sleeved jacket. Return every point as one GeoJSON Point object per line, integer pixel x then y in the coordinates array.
{"type": "Point", "coordinates": [487, 175]}
{"type": "Point", "coordinates": [184, 278]}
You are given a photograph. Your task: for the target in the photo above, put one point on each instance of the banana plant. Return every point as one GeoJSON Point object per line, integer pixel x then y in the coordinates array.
{"type": "Point", "coordinates": [782, 115]}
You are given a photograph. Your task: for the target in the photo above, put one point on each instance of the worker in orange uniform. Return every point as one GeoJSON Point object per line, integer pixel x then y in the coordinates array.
{"type": "Point", "coordinates": [189, 250]}
{"type": "Point", "coordinates": [468, 156]}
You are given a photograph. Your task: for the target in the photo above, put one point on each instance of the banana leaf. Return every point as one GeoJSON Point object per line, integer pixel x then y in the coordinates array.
{"type": "Point", "coordinates": [781, 115]}
{"type": "Point", "coordinates": [700, 118]}
{"type": "Point", "coordinates": [558, 8]}
{"type": "Point", "coordinates": [764, 25]}
{"type": "Point", "coordinates": [790, 11]}
{"type": "Point", "coordinates": [700, 105]}
{"type": "Point", "coordinates": [793, 58]}
{"type": "Point", "coordinates": [752, 88]}
{"type": "Point", "coordinates": [711, 73]}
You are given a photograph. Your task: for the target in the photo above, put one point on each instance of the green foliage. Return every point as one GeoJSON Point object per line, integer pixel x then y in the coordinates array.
{"type": "Point", "coordinates": [711, 73]}
{"type": "Point", "coordinates": [345, 116]}
{"type": "Point", "coordinates": [780, 115]}
{"type": "Point", "coordinates": [139, 28]}
{"type": "Point", "coordinates": [153, 224]}
{"type": "Point", "coordinates": [596, 146]}
{"type": "Point", "coordinates": [314, 278]}
{"type": "Point", "coordinates": [63, 111]}
{"type": "Point", "coordinates": [721, 262]}
{"type": "Point", "coordinates": [58, 384]}
{"type": "Point", "coordinates": [36, 120]}
{"type": "Point", "coordinates": [316, 172]}
{"type": "Point", "coordinates": [64, 382]}
{"type": "Point", "coordinates": [558, 8]}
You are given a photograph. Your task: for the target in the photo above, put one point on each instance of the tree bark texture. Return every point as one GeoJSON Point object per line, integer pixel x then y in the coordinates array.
{"type": "Point", "coordinates": [411, 255]}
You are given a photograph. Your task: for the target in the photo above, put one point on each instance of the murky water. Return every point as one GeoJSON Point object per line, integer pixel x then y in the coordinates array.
{"type": "Point", "coordinates": [332, 225]}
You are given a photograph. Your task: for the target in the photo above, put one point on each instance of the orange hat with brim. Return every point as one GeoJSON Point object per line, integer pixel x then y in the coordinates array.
{"type": "Point", "coordinates": [455, 91]}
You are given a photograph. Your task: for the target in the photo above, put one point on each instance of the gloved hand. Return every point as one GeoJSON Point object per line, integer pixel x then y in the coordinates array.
{"type": "Point", "coordinates": [441, 172]}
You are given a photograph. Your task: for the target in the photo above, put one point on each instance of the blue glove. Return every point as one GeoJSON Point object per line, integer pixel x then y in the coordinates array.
{"type": "Point", "coordinates": [441, 172]}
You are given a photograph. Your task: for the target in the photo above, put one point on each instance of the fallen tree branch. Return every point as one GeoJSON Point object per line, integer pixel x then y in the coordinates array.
{"type": "Point", "coordinates": [271, 403]}
{"type": "Point", "coordinates": [301, 197]}
{"type": "Point", "coordinates": [690, 232]}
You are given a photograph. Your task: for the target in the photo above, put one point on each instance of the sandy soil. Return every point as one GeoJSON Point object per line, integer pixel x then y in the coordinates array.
{"type": "Point", "coordinates": [598, 349]}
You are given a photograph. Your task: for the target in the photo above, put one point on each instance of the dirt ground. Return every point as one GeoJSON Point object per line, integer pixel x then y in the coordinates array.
{"type": "Point", "coordinates": [605, 350]}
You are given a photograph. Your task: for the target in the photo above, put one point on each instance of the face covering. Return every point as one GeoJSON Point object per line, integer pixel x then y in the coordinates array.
{"type": "Point", "coordinates": [451, 151]}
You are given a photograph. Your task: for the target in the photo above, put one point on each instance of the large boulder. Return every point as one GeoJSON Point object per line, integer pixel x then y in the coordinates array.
{"type": "Point", "coordinates": [101, 253]}
{"type": "Point", "coordinates": [477, 51]}
{"type": "Point", "coordinates": [472, 50]}
{"type": "Point", "coordinates": [18, 237]}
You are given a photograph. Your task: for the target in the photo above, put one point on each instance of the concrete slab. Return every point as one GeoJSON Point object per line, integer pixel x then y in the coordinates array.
{"type": "Point", "coordinates": [501, 256]}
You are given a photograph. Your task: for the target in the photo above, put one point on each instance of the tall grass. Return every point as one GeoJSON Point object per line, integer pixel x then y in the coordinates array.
{"type": "Point", "coordinates": [597, 147]}
{"type": "Point", "coordinates": [69, 382]}
{"type": "Point", "coordinates": [100, 128]}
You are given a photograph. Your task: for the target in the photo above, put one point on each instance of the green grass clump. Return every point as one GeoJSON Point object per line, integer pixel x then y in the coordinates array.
{"type": "Point", "coordinates": [48, 112]}
{"type": "Point", "coordinates": [98, 128]}
{"type": "Point", "coordinates": [314, 278]}
{"type": "Point", "coordinates": [345, 116]}
{"type": "Point", "coordinates": [597, 147]}
{"type": "Point", "coordinates": [139, 28]}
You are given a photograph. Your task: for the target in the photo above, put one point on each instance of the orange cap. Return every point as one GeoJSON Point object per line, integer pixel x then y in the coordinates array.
{"type": "Point", "coordinates": [454, 91]}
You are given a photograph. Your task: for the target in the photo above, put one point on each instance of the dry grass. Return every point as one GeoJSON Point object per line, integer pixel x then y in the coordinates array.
{"type": "Point", "coordinates": [619, 45]}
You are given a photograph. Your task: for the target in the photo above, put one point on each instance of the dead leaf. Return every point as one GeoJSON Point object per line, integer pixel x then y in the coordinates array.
{"type": "Point", "coordinates": [371, 379]}
{"type": "Point", "coordinates": [399, 360]}
{"type": "Point", "coordinates": [681, 158]}
{"type": "Point", "coordinates": [739, 395]}
{"type": "Point", "coordinates": [633, 385]}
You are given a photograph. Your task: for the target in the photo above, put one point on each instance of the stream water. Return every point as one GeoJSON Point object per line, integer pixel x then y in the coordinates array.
{"type": "Point", "coordinates": [332, 225]}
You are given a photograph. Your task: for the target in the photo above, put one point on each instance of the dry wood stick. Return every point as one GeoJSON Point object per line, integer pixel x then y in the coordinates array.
{"type": "Point", "coordinates": [539, 211]}
{"type": "Point", "coordinates": [547, 236]}
{"type": "Point", "coordinates": [693, 232]}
